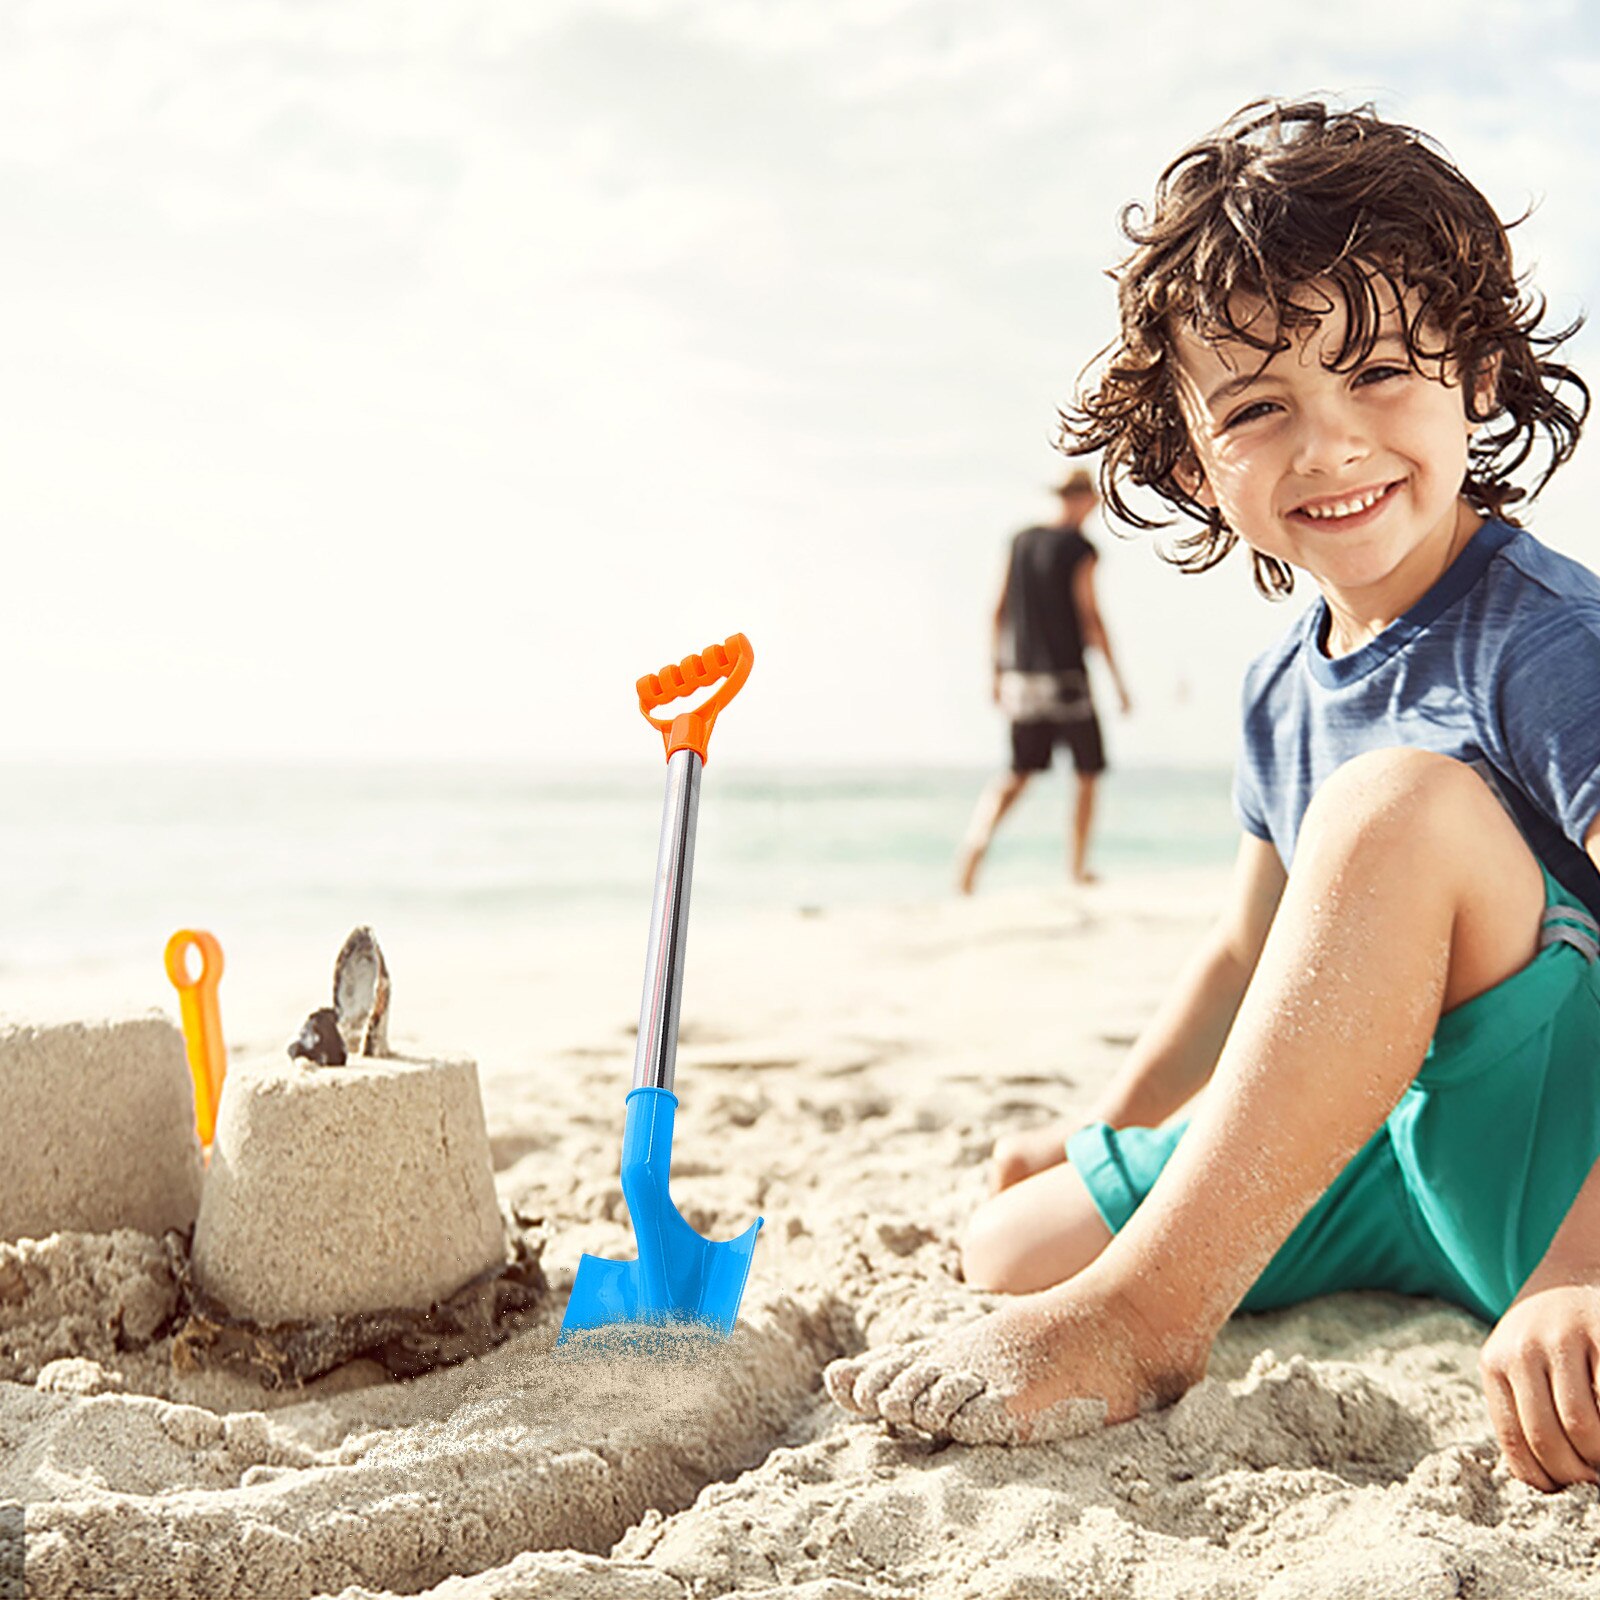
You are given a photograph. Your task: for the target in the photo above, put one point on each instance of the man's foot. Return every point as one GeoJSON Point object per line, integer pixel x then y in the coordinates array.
{"type": "Point", "coordinates": [1084, 876]}
{"type": "Point", "coordinates": [967, 870]}
{"type": "Point", "coordinates": [1047, 1366]}
{"type": "Point", "coordinates": [1020, 1155]}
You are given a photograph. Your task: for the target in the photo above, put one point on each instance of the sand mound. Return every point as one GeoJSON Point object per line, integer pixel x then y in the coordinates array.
{"type": "Point", "coordinates": [89, 1295]}
{"type": "Point", "coordinates": [563, 1575]}
{"type": "Point", "coordinates": [403, 1340]}
{"type": "Point", "coordinates": [1259, 1486]}
{"type": "Point", "coordinates": [400, 1486]}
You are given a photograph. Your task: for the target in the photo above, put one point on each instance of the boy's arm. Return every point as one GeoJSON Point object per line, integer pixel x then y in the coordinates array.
{"type": "Point", "coordinates": [1092, 625]}
{"type": "Point", "coordinates": [1539, 1362]}
{"type": "Point", "coordinates": [1177, 1052]}
{"type": "Point", "coordinates": [997, 632]}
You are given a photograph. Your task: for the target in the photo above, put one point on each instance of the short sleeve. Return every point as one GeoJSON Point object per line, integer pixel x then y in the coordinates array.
{"type": "Point", "coordinates": [1249, 803]}
{"type": "Point", "coordinates": [1547, 710]}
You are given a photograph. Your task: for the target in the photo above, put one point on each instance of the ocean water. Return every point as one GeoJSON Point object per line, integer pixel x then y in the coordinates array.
{"type": "Point", "coordinates": [101, 863]}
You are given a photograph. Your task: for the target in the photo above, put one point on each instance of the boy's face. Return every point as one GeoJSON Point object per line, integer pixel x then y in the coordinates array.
{"type": "Point", "coordinates": [1354, 477]}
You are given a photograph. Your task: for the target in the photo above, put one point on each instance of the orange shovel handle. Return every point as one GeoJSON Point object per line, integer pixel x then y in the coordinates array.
{"type": "Point", "coordinates": [691, 730]}
{"type": "Point", "coordinates": [202, 1021]}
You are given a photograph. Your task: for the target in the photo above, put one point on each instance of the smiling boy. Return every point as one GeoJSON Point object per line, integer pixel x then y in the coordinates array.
{"type": "Point", "coordinates": [1325, 354]}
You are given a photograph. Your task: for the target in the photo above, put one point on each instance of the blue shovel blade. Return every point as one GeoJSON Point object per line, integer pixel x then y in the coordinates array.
{"type": "Point", "coordinates": [679, 1276]}
{"type": "Point", "coordinates": [604, 1291]}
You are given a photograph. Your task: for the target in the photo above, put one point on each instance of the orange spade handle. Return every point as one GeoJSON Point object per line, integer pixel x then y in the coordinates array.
{"type": "Point", "coordinates": [691, 730]}
{"type": "Point", "coordinates": [202, 1021]}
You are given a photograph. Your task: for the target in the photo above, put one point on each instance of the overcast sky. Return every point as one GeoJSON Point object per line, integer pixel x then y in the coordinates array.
{"type": "Point", "coordinates": [404, 380]}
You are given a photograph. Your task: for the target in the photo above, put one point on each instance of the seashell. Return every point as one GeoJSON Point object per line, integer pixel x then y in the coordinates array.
{"type": "Point", "coordinates": [361, 995]}
{"type": "Point", "coordinates": [319, 1041]}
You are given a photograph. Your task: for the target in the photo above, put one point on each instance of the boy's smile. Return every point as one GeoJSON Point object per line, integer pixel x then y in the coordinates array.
{"type": "Point", "coordinates": [1348, 510]}
{"type": "Point", "coordinates": [1353, 476]}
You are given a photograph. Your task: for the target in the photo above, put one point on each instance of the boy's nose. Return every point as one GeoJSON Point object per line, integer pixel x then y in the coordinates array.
{"type": "Point", "coordinates": [1328, 438]}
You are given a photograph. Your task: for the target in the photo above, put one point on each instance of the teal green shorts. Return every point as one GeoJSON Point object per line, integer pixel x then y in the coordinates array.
{"type": "Point", "coordinates": [1461, 1190]}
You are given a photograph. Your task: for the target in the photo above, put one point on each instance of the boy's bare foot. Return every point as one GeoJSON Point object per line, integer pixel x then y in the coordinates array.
{"type": "Point", "coordinates": [1046, 1366]}
{"type": "Point", "coordinates": [1020, 1155]}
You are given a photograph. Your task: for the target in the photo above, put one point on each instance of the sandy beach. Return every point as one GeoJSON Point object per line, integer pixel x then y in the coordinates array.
{"type": "Point", "coordinates": [843, 1074]}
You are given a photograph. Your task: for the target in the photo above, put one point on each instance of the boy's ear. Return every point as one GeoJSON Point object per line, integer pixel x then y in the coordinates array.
{"type": "Point", "coordinates": [1485, 392]}
{"type": "Point", "coordinates": [1191, 478]}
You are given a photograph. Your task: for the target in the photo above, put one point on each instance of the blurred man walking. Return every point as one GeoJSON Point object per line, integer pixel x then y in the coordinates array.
{"type": "Point", "coordinates": [1044, 618]}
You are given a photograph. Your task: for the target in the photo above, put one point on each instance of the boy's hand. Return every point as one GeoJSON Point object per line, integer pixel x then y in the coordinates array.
{"type": "Point", "coordinates": [1020, 1155]}
{"type": "Point", "coordinates": [1539, 1371]}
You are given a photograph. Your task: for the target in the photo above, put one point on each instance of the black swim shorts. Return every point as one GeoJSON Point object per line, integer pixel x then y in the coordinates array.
{"type": "Point", "coordinates": [1033, 742]}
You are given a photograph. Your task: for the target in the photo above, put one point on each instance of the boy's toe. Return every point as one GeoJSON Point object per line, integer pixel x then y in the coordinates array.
{"type": "Point", "coordinates": [898, 1401]}
{"type": "Point", "coordinates": [984, 1419]}
{"type": "Point", "coordinates": [856, 1383]}
{"type": "Point", "coordinates": [882, 1371]}
{"type": "Point", "coordinates": [839, 1379]}
{"type": "Point", "coordinates": [937, 1405]}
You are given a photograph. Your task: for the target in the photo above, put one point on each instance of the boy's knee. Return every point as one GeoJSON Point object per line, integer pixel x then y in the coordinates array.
{"type": "Point", "coordinates": [990, 1257]}
{"type": "Point", "coordinates": [1038, 1233]}
{"type": "Point", "coordinates": [1433, 829]}
{"type": "Point", "coordinates": [982, 1264]}
{"type": "Point", "coordinates": [1408, 797]}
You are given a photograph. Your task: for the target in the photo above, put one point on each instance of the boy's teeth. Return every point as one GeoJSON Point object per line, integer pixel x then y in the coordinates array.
{"type": "Point", "coordinates": [1345, 508]}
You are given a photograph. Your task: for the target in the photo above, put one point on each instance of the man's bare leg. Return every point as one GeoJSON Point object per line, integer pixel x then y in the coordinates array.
{"type": "Point", "coordinates": [995, 801]}
{"type": "Point", "coordinates": [1082, 822]}
{"type": "Point", "coordinates": [1411, 892]}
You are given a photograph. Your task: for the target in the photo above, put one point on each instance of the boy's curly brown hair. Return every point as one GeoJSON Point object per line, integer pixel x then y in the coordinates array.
{"type": "Point", "coordinates": [1282, 196]}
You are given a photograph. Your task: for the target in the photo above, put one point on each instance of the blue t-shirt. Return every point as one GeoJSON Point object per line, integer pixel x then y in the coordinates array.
{"type": "Point", "coordinates": [1497, 665]}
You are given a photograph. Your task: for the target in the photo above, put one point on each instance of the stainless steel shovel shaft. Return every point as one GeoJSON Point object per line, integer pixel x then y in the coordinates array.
{"type": "Point", "coordinates": [656, 1054]}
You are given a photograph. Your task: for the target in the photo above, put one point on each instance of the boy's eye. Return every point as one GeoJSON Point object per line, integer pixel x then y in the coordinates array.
{"type": "Point", "coordinates": [1381, 372]}
{"type": "Point", "coordinates": [1249, 413]}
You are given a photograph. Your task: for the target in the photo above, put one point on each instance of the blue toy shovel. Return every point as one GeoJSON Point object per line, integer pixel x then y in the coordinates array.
{"type": "Point", "coordinates": [679, 1277]}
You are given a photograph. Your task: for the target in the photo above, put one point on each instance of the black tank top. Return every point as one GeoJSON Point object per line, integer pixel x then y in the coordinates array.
{"type": "Point", "coordinates": [1042, 632]}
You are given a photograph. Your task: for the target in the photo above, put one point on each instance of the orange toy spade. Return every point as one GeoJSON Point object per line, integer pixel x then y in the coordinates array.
{"type": "Point", "coordinates": [679, 1276]}
{"type": "Point", "coordinates": [202, 1021]}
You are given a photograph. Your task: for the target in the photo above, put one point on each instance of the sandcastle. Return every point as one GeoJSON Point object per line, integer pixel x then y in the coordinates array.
{"type": "Point", "coordinates": [347, 1184]}
{"type": "Point", "coordinates": [99, 1118]}
{"type": "Point", "coordinates": [357, 1188]}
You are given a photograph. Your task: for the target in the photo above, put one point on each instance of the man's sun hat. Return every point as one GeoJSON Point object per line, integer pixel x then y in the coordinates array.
{"type": "Point", "coordinates": [1078, 481]}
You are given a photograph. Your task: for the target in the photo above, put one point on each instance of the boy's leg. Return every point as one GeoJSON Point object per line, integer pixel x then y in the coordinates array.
{"type": "Point", "coordinates": [995, 801]}
{"type": "Point", "coordinates": [1033, 1234]}
{"type": "Point", "coordinates": [1411, 892]}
